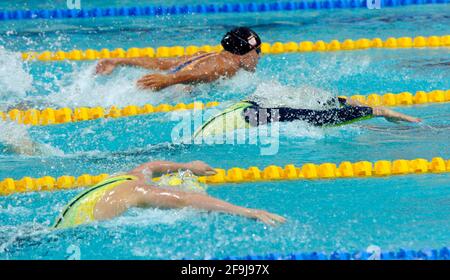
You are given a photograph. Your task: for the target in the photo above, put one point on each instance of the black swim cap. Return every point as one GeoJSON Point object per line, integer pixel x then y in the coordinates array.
{"type": "Point", "coordinates": [240, 41]}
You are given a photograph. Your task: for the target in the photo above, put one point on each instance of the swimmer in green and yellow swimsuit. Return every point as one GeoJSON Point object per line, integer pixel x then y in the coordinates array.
{"type": "Point", "coordinates": [113, 196]}
{"type": "Point", "coordinates": [241, 50]}
{"type": "Point", "coordinates": [247, 114]}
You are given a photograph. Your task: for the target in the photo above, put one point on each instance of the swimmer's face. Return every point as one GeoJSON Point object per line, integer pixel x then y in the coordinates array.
{"type": "Point", "coordinates": [250, 60]}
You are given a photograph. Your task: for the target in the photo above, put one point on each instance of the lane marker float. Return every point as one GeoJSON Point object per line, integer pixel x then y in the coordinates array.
{"type": "Point", "coordinates": [308, 171]}
{"type": "Point", "coordinates": [266, 48]}
{"type": "Point", "coordinates": [203, 9]}
{"type": "Point", "coordinates": [50, 116]}
{"type": "Point", "coordinates": [401, 254]}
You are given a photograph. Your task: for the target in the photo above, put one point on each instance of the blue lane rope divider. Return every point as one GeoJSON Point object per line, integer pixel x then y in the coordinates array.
{"type": "Point", "coordinates": [402, 254]}
{"type": "Point", "coordinates": [204, 9]}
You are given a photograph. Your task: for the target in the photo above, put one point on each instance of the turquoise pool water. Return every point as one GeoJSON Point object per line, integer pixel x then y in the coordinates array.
{"type": "Point", "coordinates": [404, 211]}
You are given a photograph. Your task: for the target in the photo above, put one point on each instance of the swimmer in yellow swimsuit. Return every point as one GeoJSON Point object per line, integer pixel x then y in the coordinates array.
{"type": "Point", "coordinates": [241, 49]}
{"type": "Point", "coordinates": [113, 196]}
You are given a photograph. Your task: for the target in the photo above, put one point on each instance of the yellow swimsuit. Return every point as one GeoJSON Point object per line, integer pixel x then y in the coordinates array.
{"type": "Point", "coordinates": [230, 119]}
{"type": "Point", "coordinates": [81, 209]}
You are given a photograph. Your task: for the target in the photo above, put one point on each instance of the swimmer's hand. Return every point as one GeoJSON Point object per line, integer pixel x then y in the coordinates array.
{"type": "Point", "coordinates": [200, 168]}
{"type": "Point", "coordinates": [266, 217]}
{"type": "Point", "coordinates": [155, 82]}
{"type": "Point", "coordinates": [105, 66]}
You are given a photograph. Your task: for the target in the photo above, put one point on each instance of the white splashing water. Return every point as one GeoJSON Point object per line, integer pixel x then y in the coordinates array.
{"type": "Point", "coordinates": [332, 69]}
{"type": "Point", "coordinates": [24, 231]}
{"type": "Point", "coordinates": [313, 77]}
{"type": "Point", "coordinates": [272, 94]}
{"type": "Point", "coordinates": [17, 139]}
{"type": "Point", "coordinates": [17, 211]}
{"type": "Point", "coordinates": [243, 81]}
{"type": "Point", "coordinates": [15, 81]}
{"type": "Point", "coordinates": [152, 216]}
{"type": "Point", "coordinates": [13, 133]}
{"type": "Point", "coordinates": [301, 129]}
{"type": "Point", "coordinates": [82, 88]}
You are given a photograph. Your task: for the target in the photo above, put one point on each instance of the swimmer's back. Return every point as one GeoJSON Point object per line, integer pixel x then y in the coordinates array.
{"type": "Point", "coordinates": [83, 208]}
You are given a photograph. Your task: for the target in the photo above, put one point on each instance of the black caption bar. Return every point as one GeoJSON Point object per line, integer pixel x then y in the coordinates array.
{"type": "Point", "coordinates": [185, 269]}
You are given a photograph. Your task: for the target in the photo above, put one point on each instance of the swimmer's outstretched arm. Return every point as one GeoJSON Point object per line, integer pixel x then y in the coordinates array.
{"type": "Point", "coordinates": [385, 112]}
{"type": "Point", "coordinates": [179, 199]}
{"type": "Point", "coordinates": [141, 194]}
{"type": "Point", "coordinates": [209, 72]}
{"type": "Point", "coordinates": [392, 115]}
{"type": "Point", "coordinates": [107, 66]}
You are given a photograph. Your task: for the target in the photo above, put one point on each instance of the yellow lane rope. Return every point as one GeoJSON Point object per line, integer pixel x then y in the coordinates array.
{"type": "Point", "coordinates": [51, 116]}
{"type": "Point", "coordinates": [266, 48]}
{"type": "Point", "coordinates": [345, 169]}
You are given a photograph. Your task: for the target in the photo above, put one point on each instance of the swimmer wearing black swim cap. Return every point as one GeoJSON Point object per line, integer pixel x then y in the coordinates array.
{"type": "Point", "coordinates": [241, 50]}
{"type": "Point", "coordinates": [241, 40]}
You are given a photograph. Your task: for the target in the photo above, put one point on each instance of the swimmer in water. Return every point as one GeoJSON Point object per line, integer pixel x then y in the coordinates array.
{"type": "Point", "coordinates": [113, 196]}
{"type": "Point", "coordinates": [241, 45]}
{"type": "Point", "coordinates": [247, 114]}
